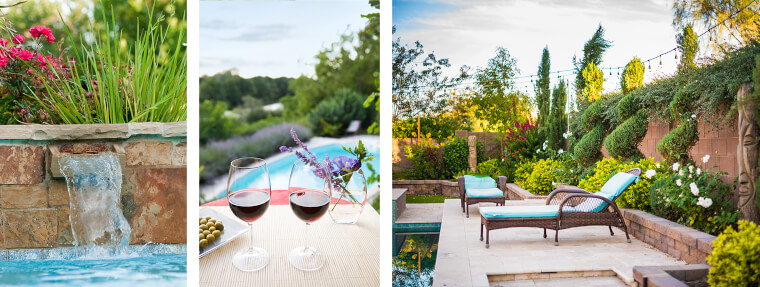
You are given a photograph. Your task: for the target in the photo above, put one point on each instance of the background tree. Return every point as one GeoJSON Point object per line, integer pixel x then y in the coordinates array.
{"type": "Point", "coordinates": [557, 120]}
{"type": "Point", "coordinates": [593, 81]}
{"type": "Point", "coordinates": [419, 86]}
{"type": "Point", "coordinates": [494, 102]}
{"type": "Point", "coordinates": [633, 75]}
{"type": "Point", "coordinates": [543, 92]}
{"type": "Point", "coordinates": [688, 45]}
{"type": "Point", "coordinates": [593, 50]}
{"type": "Point", "coordinates": [742, 27]}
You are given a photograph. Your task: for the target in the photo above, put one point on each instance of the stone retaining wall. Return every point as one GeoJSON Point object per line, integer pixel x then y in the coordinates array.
{"type": "Point", "coordinates": [681, 242]}
{"type": "Point", "coordinates": [34, 206]}
{"type": "Point", "coordinates": [418, 187]}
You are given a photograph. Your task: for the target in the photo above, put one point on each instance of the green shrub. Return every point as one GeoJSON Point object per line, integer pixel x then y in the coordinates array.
{"type": "Point", "coordinates": [332, 116]}
{"type": "Point", "coordinates": [456, 154]}
{"type": "Point", "coordinates": [633, 75]}
{"type": "Point", "coordinates": [675, 146]}
{"type": "Point", "coordinates": [624, 141]}
{"type": "Point", "coordinates": [425, 162]}
{"type": "Point", "coordinates": [435, 127]}
{"type": "Point", "coordinates": [541, 178]}
{"type": "Point", "coordinates": [735, 259]}
{"type": "Point", "coordinates": [568, 170]}
{"type": "Point", "coordinates": [678, 203]}
{"type": "Point", "coordinates": [637, 195]}
{"type": "Point", "coordinates": [589, 149]}
{"type": "Point", "coordinates": [492, 167]}
{"type": "Point", "coordinates": [523, 170]}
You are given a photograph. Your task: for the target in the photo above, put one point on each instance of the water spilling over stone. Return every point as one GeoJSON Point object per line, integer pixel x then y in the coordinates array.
{"type": "Point", "coordinates": [94, 185]}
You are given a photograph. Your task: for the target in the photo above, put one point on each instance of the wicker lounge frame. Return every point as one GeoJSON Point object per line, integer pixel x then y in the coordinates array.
{"type": "Point", "coordinates": [467, 201]}
{"type": "Point", "coordinates": [566, 197]}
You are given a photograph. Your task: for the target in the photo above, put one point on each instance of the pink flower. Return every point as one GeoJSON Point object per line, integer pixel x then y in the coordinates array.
{"type": "Point", "coordinates": [38, 31]}
{"type": "Point", "coordinates": [3, 61]}
{"type": "Point", "coordinates": [19, 39]}
{"type": "Point", "coordinates": [25, 55]}
{"type": "Point", "coordinates": [3, 42]}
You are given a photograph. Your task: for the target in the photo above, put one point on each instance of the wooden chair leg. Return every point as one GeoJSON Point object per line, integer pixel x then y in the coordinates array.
{"type": "Point", "coordinates": [611, 233]}
{"type": "Point", "coordinates": [468, 210]}
{"type": "Point", "coordinates": [556, 237]}
{"type": "Point", "coordinates": [488, 233]}
{"type": "Point", "coordinates": [544, 232]}
{"type": "Point", "coordinates": [481, 232]}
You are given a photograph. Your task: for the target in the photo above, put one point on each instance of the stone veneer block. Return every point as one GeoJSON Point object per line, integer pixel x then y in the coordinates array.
{"type": "Point", "coordinates": [154, 204]}
{"type": "Point", "coordinates": [179, 154]}
{"type": "Point", "coordinates": [173, 130]}
{"type": "Point", "coordinates": [22, 164]}
{"type": "Point", "coordinates": [58, 193]}
{"type": "Point", "coordinates": [2, 234]}
{"type": "Point", "coordinates": [65, 235]}
{"type": "Point", "coordinates": [16, 132]}
{"type": "Point", "coordinates": [30, 228]}
{"type": "Point", "coordinates": [148, 153]}
{"type": "Point", "coordinates": [23, 196]}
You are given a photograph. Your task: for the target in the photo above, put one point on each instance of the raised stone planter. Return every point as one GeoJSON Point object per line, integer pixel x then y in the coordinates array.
{"type": "Point", "coordinates": [670, 276]}
{"type": "Point", "coordinates": [34, 202]}
{"type": "Point", "coordinates": [679, 241]}
{"type": "Point", "coordinates": [420, 187]}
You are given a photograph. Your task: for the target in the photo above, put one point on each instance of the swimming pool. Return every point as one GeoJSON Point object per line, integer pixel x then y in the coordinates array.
{"type": "Point", "coordinates": [414, 259]}
{"type": "Point", "coordinates": [151, 270]}
{"type": "Point", "coordinates": [279, 165]}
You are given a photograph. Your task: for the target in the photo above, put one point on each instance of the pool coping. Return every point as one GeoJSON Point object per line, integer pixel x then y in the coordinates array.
{"type": "Point", "coordinates": [68, 253]}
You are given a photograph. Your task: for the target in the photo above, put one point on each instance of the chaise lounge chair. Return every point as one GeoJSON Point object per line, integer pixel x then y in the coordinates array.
{"type": "Point", "coordinates": [475, 189]}
{"type": "Point", "coordinates": [565, 208]}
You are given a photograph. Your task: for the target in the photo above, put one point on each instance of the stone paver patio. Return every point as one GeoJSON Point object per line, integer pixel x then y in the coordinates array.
{"type": "Point", "coordinates": [463, 259]}
{"type": "Point", "coordinates": [421, 213]}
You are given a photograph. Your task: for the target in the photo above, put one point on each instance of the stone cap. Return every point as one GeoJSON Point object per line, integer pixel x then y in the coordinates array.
{"type": "Point", "coordinates": [91, 131]}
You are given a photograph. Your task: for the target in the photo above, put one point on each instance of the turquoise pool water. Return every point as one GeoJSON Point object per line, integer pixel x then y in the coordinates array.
{"type": "Point", "coordinates": [155, 270]}
{"type": "Point", "coordinates": [414, 259]}
{"type": "Point", "coordinates": [279, 166]}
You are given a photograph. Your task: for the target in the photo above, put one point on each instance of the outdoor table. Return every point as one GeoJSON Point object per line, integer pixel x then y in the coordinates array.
{"type": "Point", "coordinates": [352, 251]}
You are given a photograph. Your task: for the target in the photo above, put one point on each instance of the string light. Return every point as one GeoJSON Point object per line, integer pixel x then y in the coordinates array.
{"type": "Point", "coordinates": [660, 60]}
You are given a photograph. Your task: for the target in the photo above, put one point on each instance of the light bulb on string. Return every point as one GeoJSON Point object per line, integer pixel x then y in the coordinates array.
{"type": "Point", "coordinates": [660, 60]}
{"type": "Point", "coordinates": [650, 65]}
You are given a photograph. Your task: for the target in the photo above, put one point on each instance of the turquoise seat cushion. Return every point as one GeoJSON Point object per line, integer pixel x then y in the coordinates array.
{"type": "Point", "coordinates": [478, 182]}
{"type": "Point", "coordinates": [611, 189]}
{"type": "Point", "coordinates": [484, 192]}
{"type": "Point", "coordinates": [522, 211]}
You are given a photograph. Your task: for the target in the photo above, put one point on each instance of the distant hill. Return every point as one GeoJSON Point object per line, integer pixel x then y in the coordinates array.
{"type": "Point", "coordinates": [231, 88]}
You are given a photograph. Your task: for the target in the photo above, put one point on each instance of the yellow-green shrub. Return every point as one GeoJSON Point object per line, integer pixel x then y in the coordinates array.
{"type": "Point", "coordinates": [637, 195]}
{"type": "Point", "coordinates": [735, 258]}
{"type": "Point", "coordinates": [541, 178]}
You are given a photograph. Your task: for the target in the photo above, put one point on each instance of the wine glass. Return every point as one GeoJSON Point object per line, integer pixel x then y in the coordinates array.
{"type": "Point", "coordinates": [309, 199]}
{"type": "Point", "coordinates": [248, 194]}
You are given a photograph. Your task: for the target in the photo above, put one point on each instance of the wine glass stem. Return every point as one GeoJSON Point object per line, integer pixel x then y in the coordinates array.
{"type": "Point", "coordinates": [250, 241]}
{"type": "Point", "coordinates": [306, 238]}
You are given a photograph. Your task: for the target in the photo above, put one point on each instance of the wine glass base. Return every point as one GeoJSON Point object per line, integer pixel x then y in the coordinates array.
{"type": "Point", "coordinates": [306, 258]}
{"type": "Point", "coordinates": [250, 260]}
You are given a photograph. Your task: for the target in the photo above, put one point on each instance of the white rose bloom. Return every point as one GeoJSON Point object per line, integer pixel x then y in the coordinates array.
{"type": "Point", "coordinates": [693, 116]}
{"type": "Point", "coordinates": [707, 202]}
{"type": "Point", "coordinates": [560, 151]}
{"type": "Point", "coordinates": [650, 173]}
{"type": "Point", "coordinates": [691, 168]}
{"type": "Point", "coordinates": [538, 150]}
{"type": "Point", "coordinates": [676, 166]}
{"type": "Point", "coordinates": [680, 172]}
{"type": "Point", "coordinates": [694, 189]}
{"type": "Point", "coordinates": [657, 165]}
{"type": "Point", "coordinates": [678, 182]}
{"type": "Point", "coordinates": [705, 158]}
{"type": "Point", "coordinates": [699, 171]}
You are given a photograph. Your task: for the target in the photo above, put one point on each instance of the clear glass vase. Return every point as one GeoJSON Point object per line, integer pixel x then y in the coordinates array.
{"type": "Point", "coordinates": [349, 195]}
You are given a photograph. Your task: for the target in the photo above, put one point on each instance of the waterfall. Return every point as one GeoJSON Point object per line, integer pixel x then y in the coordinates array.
{"type": "Point", "coordinates": [94, 184]}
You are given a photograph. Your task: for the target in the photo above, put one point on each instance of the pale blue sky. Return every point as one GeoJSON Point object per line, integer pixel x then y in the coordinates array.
{"type": "Point", "coordinates": [273, 38]}
{"type": "Point", "coordinates": [468, 32]}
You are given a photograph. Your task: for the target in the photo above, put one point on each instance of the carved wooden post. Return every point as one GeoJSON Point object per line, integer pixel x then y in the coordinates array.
{"type": "Point", "coordinates": [473, 158]}
{"type": "Point", "coordinates": [746, 153]}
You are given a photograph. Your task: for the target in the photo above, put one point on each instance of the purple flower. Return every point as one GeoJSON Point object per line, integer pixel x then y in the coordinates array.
{"type": "Point", "coordinates": [341, 163]}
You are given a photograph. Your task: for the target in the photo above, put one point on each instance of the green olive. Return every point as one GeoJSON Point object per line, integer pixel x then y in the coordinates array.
{"type": "Point", "coordinates": [200, 230]}
{"type": "Point", "coordinates": [210, 238]}
{"type": "Point", "coordinates": [203, 226]}
{"type": "Point", "coordinates": [206, 232]}
{"type": "Point", "coordinates": [219, 225]}
{"type": "Point", "coordinates": [203, 221]}
{"type": "Point", "coordinates": [209, 224]}
{"type": "Point", "coordinates": [208, 217]}
{"type": "Point", "coordinates": [216, 233]}
{"type": "Point", "coordinates": [201, 236]}
{"type": "Point", "coordinates": [212, 220]}
{"type": "Point", "coordinates": [203, 242]}
{"type": "Point", "coordinates": [212, 228]}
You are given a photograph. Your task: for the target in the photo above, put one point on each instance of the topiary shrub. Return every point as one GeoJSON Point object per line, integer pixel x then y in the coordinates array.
{"type": "Point", "coordinates": [589, 149]}
{"type": "Point", "coordinates": [675, 146]}
{"type": "Point", "coordinates": [735, 258]}
{"type": "Point", "coordinates": [633, 75]}
{"type": "Point", "coordinates": [541, 178]}
{"type": "Point", "coordinates": [624, 141]}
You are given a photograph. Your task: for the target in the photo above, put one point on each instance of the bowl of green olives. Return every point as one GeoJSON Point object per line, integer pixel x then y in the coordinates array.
{"type": "Point", "coordinates": [216, 229]}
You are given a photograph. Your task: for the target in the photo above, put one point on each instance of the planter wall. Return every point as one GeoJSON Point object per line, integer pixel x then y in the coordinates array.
{"type": "Point", "coordinates": [681, 242]}
{"type": "Point", "coordinates": [34, 205]}
{"type": "Point", "coordinates": [419, 187]}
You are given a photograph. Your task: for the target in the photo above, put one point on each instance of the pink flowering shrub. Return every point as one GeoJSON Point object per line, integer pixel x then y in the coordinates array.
{"type": "Point", "coordinates": [24, 70]}
{"type": "Point", "coordinates": [520, 144]}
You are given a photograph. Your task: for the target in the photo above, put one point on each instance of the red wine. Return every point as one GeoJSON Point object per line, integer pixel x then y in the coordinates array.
{"type": "Point", "coordinates": [249, 205]}
{"type": "Point", "coordinates": [309, 206]}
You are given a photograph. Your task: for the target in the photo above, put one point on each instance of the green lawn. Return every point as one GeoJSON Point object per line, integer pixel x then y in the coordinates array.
{"type": "Point", "coordinates": [428, 198]}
